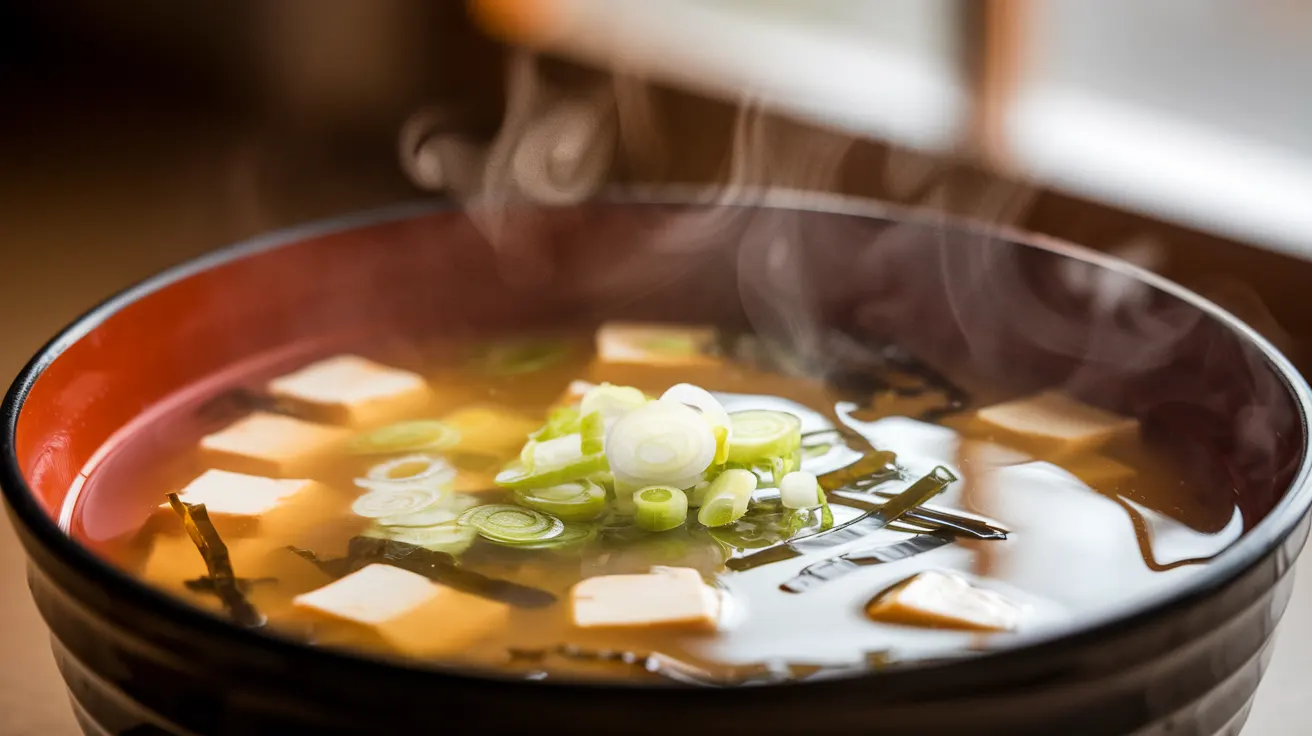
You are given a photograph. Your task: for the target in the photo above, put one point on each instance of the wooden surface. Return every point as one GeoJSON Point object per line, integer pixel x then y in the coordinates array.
{"type": "Point", "coordinates": [87, 207]}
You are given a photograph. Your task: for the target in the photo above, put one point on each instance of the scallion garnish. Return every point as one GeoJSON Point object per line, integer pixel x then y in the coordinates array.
{"type": "Point", "coordinates": [580, 500]}
{"type": "Point", "coordinates": [512, 524]}
{"type": "Point", "coordinates": [727, 497]}
{"type": "Point", "coordinates": [379, 503]}
{"type": "Point", "coordinates": [413, 436]}
{"type": "Point", "coordinates": [660, 508]}
{"type": "Point", "coordinates": [611, 402]}
{"type": "Point", "coordinates": [761, 435]}
{"type": "Point", "coordinates": [592, 433]}
{"type": "Point", "coordinates": [662, 443]}
{"type": "Point", "coordinates": [800, 490]}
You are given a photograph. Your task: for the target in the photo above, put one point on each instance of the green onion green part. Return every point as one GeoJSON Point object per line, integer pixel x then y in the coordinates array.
{"type": "Point", "coordinates": [727, 497]}
{"type": "Point", "coordinates": [502, 522]}
{"type": "Point", "coordinates": [592, 429]}
{"type": "Point", "coordinates": [660, 508]}
{"type": "Point", "coordinates": [574, 501]}
{"type": "Point", "coordinates": [760, 434]}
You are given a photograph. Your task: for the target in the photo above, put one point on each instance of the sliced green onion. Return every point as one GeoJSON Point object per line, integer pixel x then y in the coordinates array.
{"type": "Point", "coordinates": [450, 537]}
{"type": "Point", "coordinates": [411, 436]}
{"type": "Point", "coordinates": [697, 494]}
{"type": "Point", "coordinates": [612, 402]}
{"type": "Point", "coordinates": [521, 356]}
{"type": "Point", "coordinates": [782, 466]}
{"type": "Point", "coordinates": [422, 471]}
{"type": "Point", "coordinates": [593, 432]}
{"type": "Point", "coordinates": [574, 501]}
{"type": "Point", "coordinates": [380, 503]}
{"type": "Point", "coordinates": [571, 536]}
{"type": "Point", "coordinates": [502, 522]}
{"type": "Point", "coordinates": [660, 508]}
{"type": "Point", "coordinates": [561, 421]}
{"type": "Point", "coordinates": [727, 497]}
{"type": "Point", "coordinates": [706, 404]}
{"type": "Point", "coordinates": [800, 490]}
{"type": "Point", "coordinates": [517, 477]}
{"type": "Point", "coordinates": [759, 434]}
{"type": "Point", "coordinates": [552, 454]}
{"type": "Point", "coordinates": [661, 443]}
{"type": "Point", "coordinates": [443, 512]}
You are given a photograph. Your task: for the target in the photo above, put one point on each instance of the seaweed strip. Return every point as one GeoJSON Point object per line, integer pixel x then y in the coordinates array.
{"type": "Point", "coordinates": [439, 567]}
{"type": "Point", "coordinates": [833, 568]}
{"type": "Point", "coordinates": [873, 520]}
{"type": "Point", "coordinates": [196, 520]}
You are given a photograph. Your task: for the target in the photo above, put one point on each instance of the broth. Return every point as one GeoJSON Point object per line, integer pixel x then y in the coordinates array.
{"type": "Point", "coordinates": [1089, 525]}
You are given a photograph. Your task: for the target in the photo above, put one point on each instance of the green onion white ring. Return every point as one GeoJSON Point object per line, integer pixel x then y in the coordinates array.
{"type": "Point", "coordinates": [508, 523]}
{"type": "Point", "coordinates": [395, 502]}
{"type": "Point", "coordinates": [760, 434]}
{"type": "Point", "coordinates": [574, 501]}
{"type": "Point", "coordinates": [799, 490]}
{"type": "Point", "coordinates": [660, 443]}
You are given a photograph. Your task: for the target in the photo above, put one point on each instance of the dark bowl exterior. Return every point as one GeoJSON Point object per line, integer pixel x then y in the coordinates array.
{"type": "Point", "coordinates": [1188, 662]}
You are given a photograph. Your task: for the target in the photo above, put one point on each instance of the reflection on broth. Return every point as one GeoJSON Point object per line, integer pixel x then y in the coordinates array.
{"type": "Point", "coordinates": [649, 502]}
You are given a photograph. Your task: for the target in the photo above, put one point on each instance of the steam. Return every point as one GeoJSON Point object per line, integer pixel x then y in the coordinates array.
{"type": "Point", "coordinates": [951, 295]}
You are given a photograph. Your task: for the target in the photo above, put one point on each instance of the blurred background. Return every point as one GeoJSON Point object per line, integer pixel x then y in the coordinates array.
{"type": "Point", "coordinates": [134, 135]}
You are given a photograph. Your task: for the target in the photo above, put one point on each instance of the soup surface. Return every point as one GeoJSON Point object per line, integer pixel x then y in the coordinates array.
{"type": "Point", "coordinates": [644, 502]}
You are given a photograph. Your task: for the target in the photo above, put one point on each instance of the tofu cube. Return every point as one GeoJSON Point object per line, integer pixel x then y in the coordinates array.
{"type": "Point", "coordinates": [272, 445]}
{"type": "Point", "coordinates": [407, 610]}
{"type": "Point", "coordinates": [348, 389]}
{"type": "Point", "coordinates": [668, 597]}
{"type": "Point", "coordinates": [491, 429]}
{"type": "Point", "coordinates": [1052, 417]}
{"type": "Point", "coordinates": [655, 344]}
{"type": "Point", "coordinates": [944, 601]}
{"type": "Point", "coordinates": [238, 503]}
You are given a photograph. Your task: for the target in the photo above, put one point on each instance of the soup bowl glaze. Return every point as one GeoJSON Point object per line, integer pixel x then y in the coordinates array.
{"type": "Point", "coordinates": [1021, 312]}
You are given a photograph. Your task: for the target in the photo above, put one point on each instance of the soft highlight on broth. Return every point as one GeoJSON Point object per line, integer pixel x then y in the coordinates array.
{"type": "Point", "coordinates": [646, 502]}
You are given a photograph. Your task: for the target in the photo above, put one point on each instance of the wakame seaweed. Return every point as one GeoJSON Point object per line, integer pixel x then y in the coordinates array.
{"type": "Point", "coordinates": [196, 520]}
{"type": "Point", "coordinates": [873, 520]}
{"type": "Point", "coordinates": [439, 567]}
{"type": "Point", "coordinates": [834, 568]}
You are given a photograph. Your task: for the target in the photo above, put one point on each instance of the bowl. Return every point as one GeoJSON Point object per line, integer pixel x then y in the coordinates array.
{"type": "Point", "coordinates": [1023, 312]}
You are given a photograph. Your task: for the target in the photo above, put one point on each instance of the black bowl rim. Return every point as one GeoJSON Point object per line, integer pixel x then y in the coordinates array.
{"type": "Point", "coordinates": [1231, 563]}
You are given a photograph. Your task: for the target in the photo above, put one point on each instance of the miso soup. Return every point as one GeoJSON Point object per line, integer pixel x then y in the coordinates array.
{"type": "Point", "coordinates": [643, 502]}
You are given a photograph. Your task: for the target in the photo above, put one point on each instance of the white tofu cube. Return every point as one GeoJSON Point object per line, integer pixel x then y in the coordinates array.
{"type": "Point", "coordinates": [664, 597]}
{"type": "Point", "coordinates": [272, 445]}
{"type": "Point", "coordinates": [225, 493]}
{"type": "Point", "coordinates": [655, 344]}
{"type": "Point", "coordinates": [1054, 417]}
{"type": "Point", "coordinates": [237, 502]}
{"type": "Point", "coordinates": [945, 601]}
{"type": "Point", "coordinates": [407, 610]}
{"type": "Point", "coordinates": [351, 390]}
